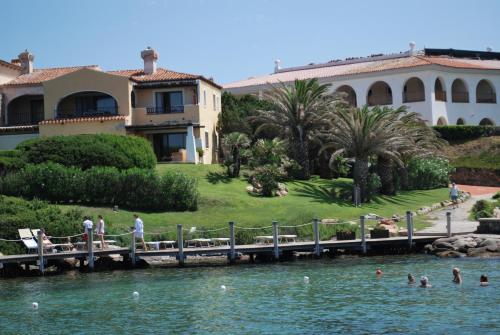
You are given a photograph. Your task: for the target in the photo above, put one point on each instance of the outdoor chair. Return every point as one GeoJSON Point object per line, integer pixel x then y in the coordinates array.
{"type": "Point", "coordinates": [287, 238]}
{"type": "Point", "coordinates": [157, 245]}
{"type": "Point", "coordinates": [220, 241]}
{"type": "Point", "coordinates": [264, 239]}
{"type": "Point", "coordinates": [28, 240]}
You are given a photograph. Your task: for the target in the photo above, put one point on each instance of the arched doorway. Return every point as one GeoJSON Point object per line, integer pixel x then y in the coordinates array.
{"type": "Point", "coordinates": [380, 93]}
{"type": "Point", "coordinates": [485, 93]}
{"type": "Point", "coordinates": [460, 121]}
{"type": "Point", "coordinates": [86, 104]}
{"type": "Point", "coordinates": [25, 110]}
{"type": "Point", "coordinates": [486, 122]}
{"type": "Point", "coordinates": [459, 91]}
{"type": "Point", "coordinates": [439, 90]}
{"type": "Point", "coordinates": [413, 90]}
{"type": "Point", "coordinates": [442, 121]}
{"type": "Point", "coordinates": [348, 94]}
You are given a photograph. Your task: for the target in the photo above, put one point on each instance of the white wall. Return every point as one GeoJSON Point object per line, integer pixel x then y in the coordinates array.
{"type": "Point", "coordinates": [8, 142]}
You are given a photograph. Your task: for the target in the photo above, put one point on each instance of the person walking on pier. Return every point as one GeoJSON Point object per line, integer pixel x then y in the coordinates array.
{"type": "Point", "coordinates": [87, 225]}
{"type": "Point", "coordinates": [99, 230]}
{"type": "Point", "coordinates": [139, 231]}
{"type": "Point", "coordinates": [454, 195]}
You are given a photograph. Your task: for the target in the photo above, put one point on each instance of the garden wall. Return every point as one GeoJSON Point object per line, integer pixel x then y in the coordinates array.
{"type": "Point", "coordinates": [476, 176]}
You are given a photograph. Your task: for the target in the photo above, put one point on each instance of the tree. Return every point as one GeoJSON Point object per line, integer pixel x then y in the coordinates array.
{"type": "Point", "coordinates": [233, 146]}
{"type": "Point", "coordinates": [362, 134]}
{"type": "Point", "coordinates": [297, 111]}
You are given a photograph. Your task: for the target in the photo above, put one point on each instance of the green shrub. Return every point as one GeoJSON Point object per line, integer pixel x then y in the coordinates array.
{"type": "Point", "coordinates": [267, 177]}
{"type": "Point", "coordinates": [457, 133]}
{"type": "Point", "coordinates": [10, 160]}
{"type": "Point", "coordinates": [134, 188]}
{"type": "Point", "coordinates": [373, 185]}
{"type": "Point", "coordinates": [428, 173]}
{"type": "Point", "coordinates": [86, 151]}
{"type": "Point", "coordinates": [17, 213]}
{"type": "Point", "coordinates": [484, 208]}
{"type": "Point", "coordinates": [496, 195]}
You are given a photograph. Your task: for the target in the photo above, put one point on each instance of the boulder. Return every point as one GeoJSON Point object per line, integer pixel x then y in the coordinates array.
{"type": "Point", "coordinates": [450, 253]}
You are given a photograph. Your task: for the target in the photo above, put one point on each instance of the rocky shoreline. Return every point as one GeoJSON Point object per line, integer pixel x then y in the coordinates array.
{"type": "Point", "coordinates": [470, 245]}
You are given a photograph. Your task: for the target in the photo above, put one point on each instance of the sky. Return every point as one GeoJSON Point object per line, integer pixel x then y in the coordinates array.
{"type": "Point", "coordinates": [231, 40]}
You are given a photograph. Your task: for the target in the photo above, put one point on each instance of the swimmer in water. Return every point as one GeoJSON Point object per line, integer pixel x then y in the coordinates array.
{"type": "Point", "coordinates": [424, 282]}
{"type": "Point", "coordinates": [483, 281]}
{"type": "Point", "coordinates": [379, 272]}
{"type": "Point", "coordinates": [457, 278]}
{"type": "Point", "coordinates": [411, 279]}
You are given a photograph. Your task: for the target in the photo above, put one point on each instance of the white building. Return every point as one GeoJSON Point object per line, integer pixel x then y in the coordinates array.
{"type": "Point", "coordinates": [445, 86]}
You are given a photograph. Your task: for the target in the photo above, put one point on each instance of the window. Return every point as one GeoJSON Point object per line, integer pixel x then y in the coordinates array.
{"type": "Point", "coordinates": [214, 102]}
{"type": "Point", "coordinates": [206, 139]}
{"type": "Point", "coordinates": [169, 102]}
{"type": "Point", "coordinates": [132, 99]}
{"type": "Point", "coordinates": [204, 98]}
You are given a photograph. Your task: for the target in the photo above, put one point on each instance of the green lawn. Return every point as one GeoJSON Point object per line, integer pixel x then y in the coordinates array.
{"type": "Point", "coordinates": [223, 200]}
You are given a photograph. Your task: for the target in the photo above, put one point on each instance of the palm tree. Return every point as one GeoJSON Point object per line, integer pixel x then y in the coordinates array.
{"type": "Point", "coordinates": [233, 145]}
{"type": "Point", "coordinates": [297, 111]}
{"type": "Point", "coordinates": [361, 134]}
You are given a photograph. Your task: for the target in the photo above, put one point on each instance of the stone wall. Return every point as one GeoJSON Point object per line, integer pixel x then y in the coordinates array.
{"type": "Point", "coordinates": [489, 226]}
{"type": "Point", "coordinates": [480, 177]}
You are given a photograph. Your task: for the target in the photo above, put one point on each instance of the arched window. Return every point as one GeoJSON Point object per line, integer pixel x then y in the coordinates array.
{"type": "Point", "coordinates": [380, 93]}
{"type": "Point", "coordinates": [442, 121]}
{"type": "Point", "coordinates": [485, 93]}
{"type": "Point", "coordinates": [25, 110]}
{"type": "Point", "coordinates": [459, 92]}
{"type": "Point", "coordinates": [486, 122]}
{"type": "Point", "coordinates": [413, 90]}
{"type": "Point", "coordinates": [348, 94]}
{"type": "Point", "coordinates": [86, 104]}
{"type": "Point", "coordinates": [439, 91]}
{"type": "Point", "coordinates": [460, 121]}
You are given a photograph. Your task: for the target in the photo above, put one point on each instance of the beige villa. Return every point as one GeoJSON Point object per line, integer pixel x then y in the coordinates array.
{"type": "Point", "coordinates": [177, 112]}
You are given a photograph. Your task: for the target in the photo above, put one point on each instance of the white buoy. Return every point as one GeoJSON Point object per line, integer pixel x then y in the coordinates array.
{"type": "Point", "coordinates": [35, 305]}
{"type": "Point", "coordinates": [135, 295]}
{"type": "Point", "coordinates": [223, 287]}
{"type": "Point", "coordinates": [306, 279]}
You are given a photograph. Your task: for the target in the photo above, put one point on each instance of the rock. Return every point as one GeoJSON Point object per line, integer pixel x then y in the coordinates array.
{"type": "Point", "coordinates": [492, 248]}
{"type": "Point", "coordinates": [429, 248]}
{"type": "Point", "coordinates": [450, 253]}
{"type": "Point", "coordinates": [476, 251]}
{"type": "Point", "coordinates": [250, 189]}
{"type": "Point", "coordinates": [488, 242]}
{"type": "Point", "coordinates": [441, 244]}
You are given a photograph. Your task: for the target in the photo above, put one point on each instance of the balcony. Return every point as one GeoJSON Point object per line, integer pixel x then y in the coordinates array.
{"type": "Point", "coordinates": [157, 116]}
{"type": "Point", "coordinates": [72, 113]}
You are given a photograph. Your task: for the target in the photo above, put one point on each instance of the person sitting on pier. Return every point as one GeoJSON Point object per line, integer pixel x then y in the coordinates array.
{"type": "Point", "coordinates": [483, 281]}
{"type": "Point", "coordinates": [411, 279]}
{"type": "Point", "coordinates": [424, 282]}
{"type": "Point", "coordinates": [139, 231]}
{"type": "Point", "coordinates": [47, 244]}
{"type": "Point", "coordinates": [457, 278]}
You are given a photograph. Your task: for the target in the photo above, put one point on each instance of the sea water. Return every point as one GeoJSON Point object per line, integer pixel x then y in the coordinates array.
{"type": "Point", "coordinates": [342, 296]}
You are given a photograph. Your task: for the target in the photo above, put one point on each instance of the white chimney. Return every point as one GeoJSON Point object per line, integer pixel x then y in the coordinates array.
{"type": "Point", "coordinates": [26, 58]}
{"type": "Point", "coordinates": [150, 57]}
{"type": "Point", "coordinates": [412, 48]}
{"type": "Point", "coordinates": [277, 65]}
{"type": "Point", "coordinates": [489, 49]}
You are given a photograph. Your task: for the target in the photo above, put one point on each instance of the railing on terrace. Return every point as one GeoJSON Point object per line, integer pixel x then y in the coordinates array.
{"type": "Point", "coordinates": [413, 97]}
{"type": "Point", "coordinates": [71, 113]}
{"type": "Point", "coordinates": [486, 99]}
{"type": "Point", "coordinates": [440, 95]}
{"type": "Point", "coordinates": [460, 97]}
{"type": "Point", "coordinates": [163, 110]}
{"type": "Point", "coordinates": [22, 119]}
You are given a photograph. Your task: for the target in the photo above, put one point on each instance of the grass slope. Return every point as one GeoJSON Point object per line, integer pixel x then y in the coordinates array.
{"type": "Point", "coordinates": [479, 153]}
{"type": "Point", "coordinates": [223, 200]}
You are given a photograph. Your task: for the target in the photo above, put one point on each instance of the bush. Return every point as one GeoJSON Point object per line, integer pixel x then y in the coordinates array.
{"type": "Point", "coordinates": [496, 196]}
{"type": "Point", "coordinates": [484, 209]}
{"type": "Point", "coordinates": [456, 133]}
{"type": "Point", "coordinates": [10, 160]}
{"type": "Point", "coordinates": [85, 151]}
{"type": "Point", "coordinates": [133, 188]}
{"type": "Point", "coordinates": [17, 213]}
{"type": "Point", "coordinates": [267, 178]}
{"type": "Point", "coordinates": [373, 185]}
{"type": "Point", "coordinates": [428, 173]}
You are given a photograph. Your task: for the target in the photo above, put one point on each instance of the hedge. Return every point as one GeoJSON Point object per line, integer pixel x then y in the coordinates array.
{"type": "Point", "coordinates": [10, 160]}
{"type": "Point", "coordinates": [141, 189]}
{"type": "Point", "coordinates": [428, 173]}
{"type": "Point", "coordinates": [455, 133]}
{"type": "Point", "coordinates": [85, 151]}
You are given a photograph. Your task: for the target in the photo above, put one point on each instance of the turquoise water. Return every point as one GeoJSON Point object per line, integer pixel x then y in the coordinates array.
{"type": "Point", "coordinates": [343, 296]}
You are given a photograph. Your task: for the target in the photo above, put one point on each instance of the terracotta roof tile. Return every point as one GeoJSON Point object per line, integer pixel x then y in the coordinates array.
{"type": "Point", "coordinates": [160, 75]}
{"type": "Point", "coordinates": [332, 70]}
{"type": "Point", "coordinates": [85, 119]}
{"type": "Point", "coordinates": [38, 76]}
{"type": "Point", "coordinates": [10, 65]}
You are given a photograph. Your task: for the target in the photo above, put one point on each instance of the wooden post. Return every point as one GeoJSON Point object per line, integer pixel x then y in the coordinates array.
{"type": "Point", "coordinates": [132, 248]}
{"type": "Point", "coordinates": [448, 224]}
{"type": "Point", "coordinates": [409, 226]}
{"type": "Point", "coordinates": [275, 240]}
{"type": "Point", "coordinates": [41, 265]}
{"type": "Point", "coordinates": [232, 254]}
{"type": "Point", "coordinates": [362, 229]}
{"type": "Point", "coordinates": [90, 248]}
{"type": "Point", "coordinates": [317, 249]}
{"type": "Point", "coordinates": [180, 244]}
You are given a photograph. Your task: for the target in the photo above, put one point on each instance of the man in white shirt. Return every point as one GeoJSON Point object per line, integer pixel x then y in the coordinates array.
{"type": "Point", "coordinates": [87, 224]}
{"type": "Point", "coordinates": [139, 231]}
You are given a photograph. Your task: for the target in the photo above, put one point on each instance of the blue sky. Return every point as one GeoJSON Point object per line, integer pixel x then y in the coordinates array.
{"type": "Point", "coordinates": [232, 40]}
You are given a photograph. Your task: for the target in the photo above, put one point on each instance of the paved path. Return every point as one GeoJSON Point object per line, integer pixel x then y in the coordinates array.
{"type": "Point", "coordinates": [460, 222]}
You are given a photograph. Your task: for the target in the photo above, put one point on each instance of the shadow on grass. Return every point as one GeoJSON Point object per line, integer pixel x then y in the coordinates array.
{"type": "Point", "coordinates": [218, 177]}
{"type": "Point", "coordinates": [325, 191]}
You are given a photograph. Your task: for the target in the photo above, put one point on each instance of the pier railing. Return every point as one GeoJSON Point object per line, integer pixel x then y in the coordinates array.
{"type": "Point", "coordinates": [274, 239]}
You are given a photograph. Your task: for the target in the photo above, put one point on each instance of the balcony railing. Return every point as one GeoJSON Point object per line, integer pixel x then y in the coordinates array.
{"type": "Point", "coordinates": [23, 118]}
{"type": "Point", "coordinates": [413, 97]}
{"type": "Point", "coordinates": [71, 113]}
{"type": "Point", "coordinates": [460, 97]}
{"type": "Point", "coordinates": [440, 95]}
{"type": "Point", "coordinates": [486, 99]}
{"type": "Point", "coordinates": [163, 110]}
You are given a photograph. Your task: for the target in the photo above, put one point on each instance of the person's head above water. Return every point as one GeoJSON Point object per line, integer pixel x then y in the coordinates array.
{"type": "Point", "coordinates": [483, 280]}
{"type": "Point", "coordinates": [379, 271]}
{"type": "Point", "coordinates": [411, 279]}
{"type": "Point", "coordinates": [424, 281]}
{"type": "Point", "coordinates": [456, 271]}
